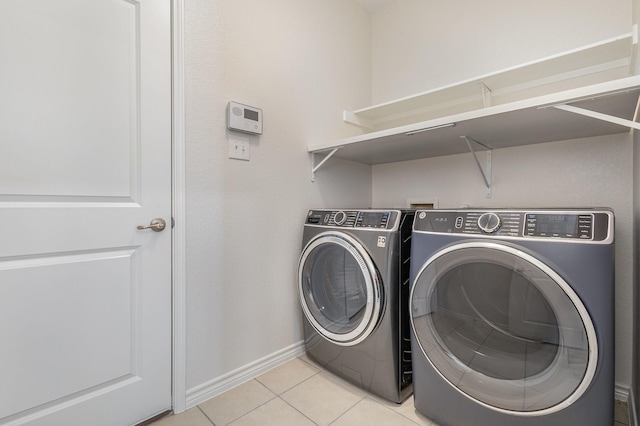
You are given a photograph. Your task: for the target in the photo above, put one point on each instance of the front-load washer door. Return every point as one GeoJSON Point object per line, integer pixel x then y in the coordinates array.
{"type": "Point", "coordinates": [339, 287]}
{"type": "Point", "coordinates": [503, 328]}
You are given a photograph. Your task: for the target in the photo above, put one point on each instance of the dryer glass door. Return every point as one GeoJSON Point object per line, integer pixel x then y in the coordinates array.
{"type": "Point", "coordinates": [339, 288]}
{"type": "Point", "coordinates": [503, 328]}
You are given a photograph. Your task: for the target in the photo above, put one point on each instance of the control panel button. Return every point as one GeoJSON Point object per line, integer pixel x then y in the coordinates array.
{"type": "Point", "coordinates": [489, 222]}
{"type": "Point", "coordinates": [339, 218]}
{"type": "Point", "coordinates": [585, 227]}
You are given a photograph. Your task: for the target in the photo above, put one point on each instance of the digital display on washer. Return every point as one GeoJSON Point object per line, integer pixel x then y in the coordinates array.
{"type": "Point", "coordinates": [558, 225]}
{"type": "Point", "coordinates": [372, 220]}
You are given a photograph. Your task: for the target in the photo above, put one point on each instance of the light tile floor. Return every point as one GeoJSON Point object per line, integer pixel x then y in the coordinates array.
{"type": "Point", "coordinates": [300, 393]}
{"type": "Point", "coordinates": [297, 393]}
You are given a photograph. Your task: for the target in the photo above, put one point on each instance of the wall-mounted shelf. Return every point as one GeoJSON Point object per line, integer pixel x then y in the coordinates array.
{"type": "Point", "coordinates": [585, 92]}
{"type": "Point", "coordinates": [595, 110]}
{"type": "Point", "coordinates": [605, 60]}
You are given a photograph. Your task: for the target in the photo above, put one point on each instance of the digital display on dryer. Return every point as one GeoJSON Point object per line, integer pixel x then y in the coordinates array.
{"type": "Point", "coordinates": [557, 225]}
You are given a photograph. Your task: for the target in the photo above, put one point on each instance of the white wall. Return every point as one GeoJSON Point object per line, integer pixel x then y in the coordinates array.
{"type": "Point", "coordinates": [302, 62]}
{"type": "Point", "coordinates": [420, 45]}
{"type": "Point", "coordinates": [424, 44]}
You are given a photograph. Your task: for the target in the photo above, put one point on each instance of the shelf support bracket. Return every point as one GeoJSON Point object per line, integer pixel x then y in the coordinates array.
{"type": "Point", "coordinates": [486, 95]}
{"type": "Point", "coordinates": [315, 167]}
{"type": "Point", "coordinates": [485, 172]}
{"type": "Point", "coordinates": [599, 116]}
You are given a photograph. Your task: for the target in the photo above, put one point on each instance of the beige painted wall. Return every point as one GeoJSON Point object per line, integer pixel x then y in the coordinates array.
{"type": "Point", "coordinates": [244, 219]}
{"type": "Point", "coordinates": [424, 44]}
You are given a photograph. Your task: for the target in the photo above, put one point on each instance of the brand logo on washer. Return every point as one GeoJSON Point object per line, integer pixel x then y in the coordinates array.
{"type": "Point", "coordinates": [382, 241]}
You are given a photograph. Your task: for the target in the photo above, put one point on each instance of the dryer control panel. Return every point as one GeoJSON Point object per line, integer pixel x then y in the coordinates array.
{"type": "Point", "coordinates": [567, 225]}
{"type": "Point", "coordinates": [364, 219]}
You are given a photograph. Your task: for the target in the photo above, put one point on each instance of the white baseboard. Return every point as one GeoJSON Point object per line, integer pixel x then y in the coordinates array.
{"type": "Point", "coordinates": [208, 390]}
{"type": "Point", "coordinates": [621, 392]}
{"type": "Point", "coordinates": [625, 393]}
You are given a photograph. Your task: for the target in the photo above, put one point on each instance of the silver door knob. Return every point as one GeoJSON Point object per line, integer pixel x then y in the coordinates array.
{"type": "Point", "coordinates": [158, 224]}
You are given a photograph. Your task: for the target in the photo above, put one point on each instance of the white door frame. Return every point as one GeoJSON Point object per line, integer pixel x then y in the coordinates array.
{"type": "Point", "coordinates": [178, 387]}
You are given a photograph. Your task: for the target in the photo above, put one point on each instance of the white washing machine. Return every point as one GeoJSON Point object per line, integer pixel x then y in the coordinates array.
{"type": "Point", "coordinates": [512, 317]}
{"type": "Point", "coordinates": [353, 284]}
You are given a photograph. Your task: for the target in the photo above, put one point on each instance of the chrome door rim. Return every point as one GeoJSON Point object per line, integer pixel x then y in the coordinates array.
{"type": "Point", "coordinates": [372, 282]}
{"type": "Point", "coordinates": [592, 362]}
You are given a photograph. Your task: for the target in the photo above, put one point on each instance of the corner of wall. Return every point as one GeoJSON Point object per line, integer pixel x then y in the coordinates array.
{"type": "Point", "coordinates": [212, 388]}
{"type": "Point", "coordinates": [635, 22]}
{"type": "Point", "coordinates": [631, 409]}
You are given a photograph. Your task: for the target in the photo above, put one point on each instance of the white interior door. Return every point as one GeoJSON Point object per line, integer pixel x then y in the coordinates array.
{"type": "Point", "coordinates": [85, 157]}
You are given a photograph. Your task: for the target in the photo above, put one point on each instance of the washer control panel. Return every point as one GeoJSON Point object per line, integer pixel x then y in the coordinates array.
{"type": "Point", "coordinates": [367, 219]}
{"type": "Point", "coordinates": [582, 225]}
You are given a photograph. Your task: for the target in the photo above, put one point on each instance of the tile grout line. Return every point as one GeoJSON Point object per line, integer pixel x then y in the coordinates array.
{"type": "Point", "coordinates": [374, 401]}
{"type": "Point", "coordinates": [431, 423]}
{"type": "Point", "coordinates": [205, 414]}
{"type": "Point", "coordinates": [362, 398]}
{"type": "Point", "coordinates": [350, 408]}
{"type": "Point", "coordinates": [249, 412]}
{"type": "Point", "coordinates": [279, 396]}
{"type": "Point", "coordinates": [288, 389]}
{"type": "Point", "coordinates": [304, 415]}
{"type": "Point", "coordinates": [259, 406]}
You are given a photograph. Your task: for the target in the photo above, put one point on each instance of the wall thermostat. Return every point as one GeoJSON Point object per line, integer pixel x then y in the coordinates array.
{"type": "Point", "coordinates": [244, 118]}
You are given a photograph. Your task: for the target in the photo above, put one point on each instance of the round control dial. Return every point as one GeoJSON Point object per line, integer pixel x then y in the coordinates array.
{"type": "Point", "coordinates": [339, 218]}
{"type": "Point", "coordinates": [489, 222]}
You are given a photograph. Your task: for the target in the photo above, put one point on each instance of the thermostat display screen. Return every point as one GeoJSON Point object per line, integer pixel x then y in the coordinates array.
{"type": "Point", "coordinates": [251, 115]}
